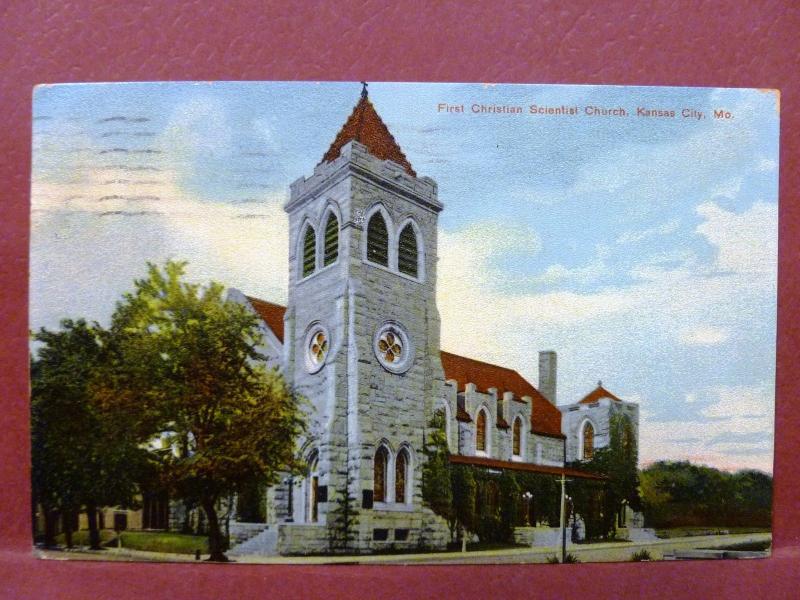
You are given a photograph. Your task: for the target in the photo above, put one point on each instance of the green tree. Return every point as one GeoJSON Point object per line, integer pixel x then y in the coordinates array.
{"type": "Point", "coordinates": [464, 490]}
{"type": "Point", "coordinates": [680, 493]}
{"type": "Point", "coordinates": [186, 374]}
{"type": "Point", "coordinates": [599, 505]}
{"type": "Point", "coordinates": [344, 518]}
{"type": "Point", "coordinates": [437, 490]}
{"type": "Point", "coordinates": [83, 458]}
{"type": "Point", "coordinates": [510, 496]}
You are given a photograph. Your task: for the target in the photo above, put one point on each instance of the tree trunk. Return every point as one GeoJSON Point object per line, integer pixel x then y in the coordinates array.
{"type": "Point", "coordinates": [66, 523]}
{"type": "Point", "coordinates": [50, 518]}
{"type": "Point", "coordinates": [94, 532]}
{"type": "Point", "coordinates": [215, 541]}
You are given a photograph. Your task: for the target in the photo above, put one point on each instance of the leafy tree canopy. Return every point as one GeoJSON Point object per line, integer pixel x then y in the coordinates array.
{"type": "Point", "coordinates": [185, 372]}
{"type": "Point", "coordinates": [82, 456]}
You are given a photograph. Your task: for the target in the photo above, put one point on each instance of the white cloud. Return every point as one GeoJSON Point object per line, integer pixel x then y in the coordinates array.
{"type": "Point", "coordinates": [746, 402]}
{"type": "Point", "coordinates": [666, 228]}
{"type": "Point", "coordinates": [729, 189]}
{"type": "Point", "coordinates": [591, 272]}
{"type": "Point", "coordinates": [735, 411]}
{"type": "Point", "coordinates": [704, 336]}
{"type": "Point", "coordinates": [746, 242]}
{"type": "Point", "coordinates": [766, 164]}
{"type": "Point", "coordinates": [74, 241]}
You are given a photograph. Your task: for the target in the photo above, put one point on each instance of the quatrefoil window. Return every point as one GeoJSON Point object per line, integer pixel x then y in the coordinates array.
{"type": "Point", "coordinates": [317, 348]}
{"type": "Point", "coordinates": [393, 347]}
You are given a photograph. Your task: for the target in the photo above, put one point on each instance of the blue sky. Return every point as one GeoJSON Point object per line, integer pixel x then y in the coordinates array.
{"type": "Point", "coordinates": [642, 249]}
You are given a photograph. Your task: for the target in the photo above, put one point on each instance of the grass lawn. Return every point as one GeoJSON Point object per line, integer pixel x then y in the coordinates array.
{"type": "Point", "coordinates": [161, 541]}
{"type": "Point", "coordinates": [151, 541]}
{"type": "Point", "coordinates": [678, 532]}
{"type": "Point", "coordinates": [81, 538]}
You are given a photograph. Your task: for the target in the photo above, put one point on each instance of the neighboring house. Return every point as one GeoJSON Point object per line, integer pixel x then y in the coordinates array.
{"type": "Point", "coordinates": [360, 339]}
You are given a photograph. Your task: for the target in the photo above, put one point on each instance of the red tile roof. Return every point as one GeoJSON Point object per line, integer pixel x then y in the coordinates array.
{"type": "Point", "coordinates": [272, 314]}
{"type": "Point", "coordinates": [598, 393]}
{"type": "Point", "coordinates": [366, 127]}
{"type": "Point", "coordinates": [492, 463]}
{"type": "Point", "coordinates": [545, 418]}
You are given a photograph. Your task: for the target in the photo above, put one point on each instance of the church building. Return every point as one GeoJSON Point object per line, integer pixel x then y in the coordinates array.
{"type": "Point", "coordinates": [360, 339]}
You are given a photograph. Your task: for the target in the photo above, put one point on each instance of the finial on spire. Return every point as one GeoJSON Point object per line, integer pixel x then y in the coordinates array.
{"type": "Point", "coordinates": [599, 383]}
{"type": "Point", "coordinates": [364, 92]}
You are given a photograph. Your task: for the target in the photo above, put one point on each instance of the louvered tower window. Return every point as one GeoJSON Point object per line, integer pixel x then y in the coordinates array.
{"type": "Point", "coordinates": [407, 253]}
{"type": "Point", "coordinates": [309, 251]}
{"type": "Point", "coordinates": [377, 240]}
{"type": "Point", "coordinates": [331, 240]}
{"type": "Point", "coordinates": [517, 434]}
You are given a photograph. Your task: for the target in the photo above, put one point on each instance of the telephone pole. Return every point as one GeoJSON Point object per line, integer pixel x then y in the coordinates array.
{"type": "Point", "coordinates": [563, 520]}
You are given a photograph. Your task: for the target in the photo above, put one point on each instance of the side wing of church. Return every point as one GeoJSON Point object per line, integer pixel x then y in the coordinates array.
{"type": "Point", "coordinates": [360, 339]}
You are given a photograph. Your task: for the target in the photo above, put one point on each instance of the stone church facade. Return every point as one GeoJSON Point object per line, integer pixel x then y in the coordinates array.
{"type": "Point", "coordinates": [360, 339]}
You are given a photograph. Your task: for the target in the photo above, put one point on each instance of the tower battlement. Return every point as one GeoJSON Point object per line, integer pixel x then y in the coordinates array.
{"type": "Point", "coordinates": [355, 158]}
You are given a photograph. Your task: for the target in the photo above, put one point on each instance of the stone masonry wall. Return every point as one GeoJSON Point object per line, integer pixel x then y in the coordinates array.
{"type": "Point", "coordinates": [355, 403]}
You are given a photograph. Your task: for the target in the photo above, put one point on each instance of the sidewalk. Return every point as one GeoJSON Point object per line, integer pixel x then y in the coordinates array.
{"type": "Point", "coordinates": [600, 552]}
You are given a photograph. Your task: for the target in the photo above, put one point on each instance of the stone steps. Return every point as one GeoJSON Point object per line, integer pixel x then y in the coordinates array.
{"type": "Point", "coordinates": [263, 543]}
{"type": "Point", "coordinates": [241, 532]}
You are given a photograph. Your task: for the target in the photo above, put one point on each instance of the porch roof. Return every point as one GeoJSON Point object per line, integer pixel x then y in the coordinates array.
{"type": "Point", "coordinates": [480, 461]}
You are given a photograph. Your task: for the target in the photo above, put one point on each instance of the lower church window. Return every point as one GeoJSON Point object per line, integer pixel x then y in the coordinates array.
{"type": "Point", "coordinates": [401, 476]}
{"type": "Point", "coordinates": [379, 484]}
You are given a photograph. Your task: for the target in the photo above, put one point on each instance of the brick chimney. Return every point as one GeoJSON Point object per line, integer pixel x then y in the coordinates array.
{"type": "Point", "coordinates": [547, 375]}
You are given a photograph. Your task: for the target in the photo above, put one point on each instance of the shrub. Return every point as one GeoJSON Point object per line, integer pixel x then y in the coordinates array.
{"type": "Point", "coordinates": [640, 556]}
{"type": "Point", "coordinates": [568, 559]}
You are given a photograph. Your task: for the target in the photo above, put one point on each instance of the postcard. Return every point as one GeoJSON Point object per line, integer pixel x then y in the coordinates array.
{"type": "Point", "coordinates": [393, 323]}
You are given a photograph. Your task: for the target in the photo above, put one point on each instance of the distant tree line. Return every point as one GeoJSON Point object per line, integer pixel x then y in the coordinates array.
{"type": "Point", "coordinates": [678, 494]}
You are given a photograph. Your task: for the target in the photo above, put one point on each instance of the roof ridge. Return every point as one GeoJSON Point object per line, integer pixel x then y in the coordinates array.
{"type": "Point", "coordinates": [257, 299]}
{"type": "Point", "coordinates": [483, 362]}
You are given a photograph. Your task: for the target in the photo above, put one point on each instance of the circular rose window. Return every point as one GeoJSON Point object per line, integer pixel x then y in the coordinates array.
{"type": "Point", "coordinates": [392, 347]}
{"type": "Point", "coordinates": [317, 346]}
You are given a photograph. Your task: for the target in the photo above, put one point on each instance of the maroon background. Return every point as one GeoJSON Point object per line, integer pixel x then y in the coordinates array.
{"type": "Point", "coordinates": [751, 44]}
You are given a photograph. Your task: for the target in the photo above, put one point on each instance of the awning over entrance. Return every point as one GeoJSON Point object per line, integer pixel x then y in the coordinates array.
{"type": "Point", "coordinates": [491, 463]}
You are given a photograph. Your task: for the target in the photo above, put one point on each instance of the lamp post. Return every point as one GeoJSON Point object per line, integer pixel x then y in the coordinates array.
{"type": "Point", "coordinates": [563, 520]}
{"type": "Point", "coordinates": [527, 497]}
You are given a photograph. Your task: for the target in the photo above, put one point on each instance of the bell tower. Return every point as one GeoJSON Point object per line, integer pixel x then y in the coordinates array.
{"type": "Point", "coordinates": [362, 329]}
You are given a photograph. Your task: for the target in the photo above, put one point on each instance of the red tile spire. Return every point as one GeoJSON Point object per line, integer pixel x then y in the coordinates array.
{"type": "Point", "coordinates": [366, 127]}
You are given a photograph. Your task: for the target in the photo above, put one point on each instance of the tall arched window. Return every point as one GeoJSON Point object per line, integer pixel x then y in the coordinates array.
{"type": "Point", "coordinates": [407, 252]}
{"type": "Point", "coordinates": [309, 251]}
{"type": "Point", "coordinates": [517, 437]}
{"type": "Point", "coordinates": [331, 249]}
{"type": "Point", "coordinates": [588, 441]}
{"type": "Point", "coordinates": [381, 466]}
{"type": "Point", "coordinates": [377, 240]}
{"type": "Point", "coordinates": [313, 488]}
{"type": "Point", "coordinates": [401, 476]}
{"type": "Point", "coordinates": [480, 434]}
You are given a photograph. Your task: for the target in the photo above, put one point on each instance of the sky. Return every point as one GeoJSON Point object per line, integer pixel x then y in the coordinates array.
{"type": "Point", "coordinates": [643, 249]}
